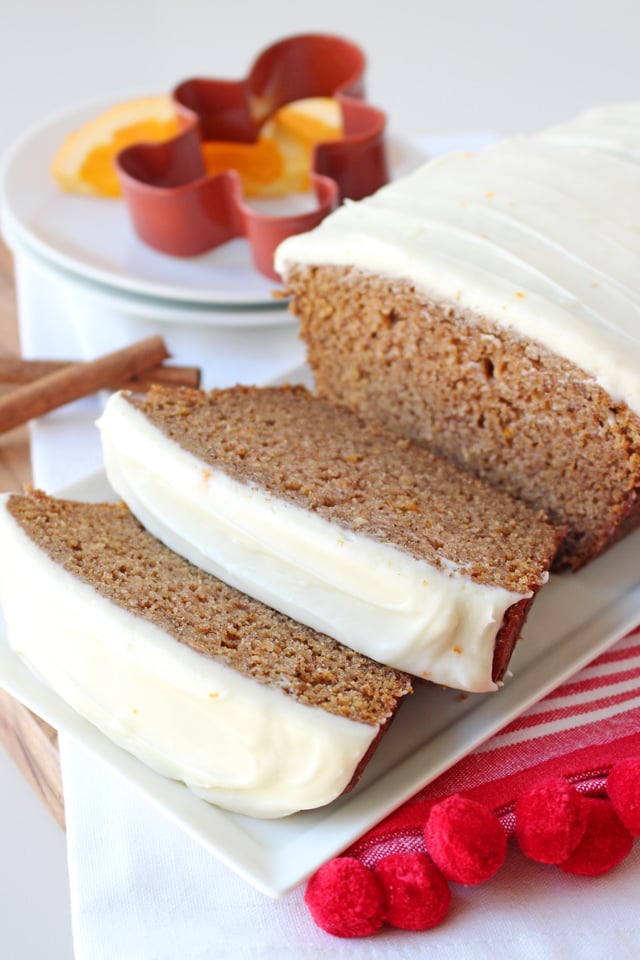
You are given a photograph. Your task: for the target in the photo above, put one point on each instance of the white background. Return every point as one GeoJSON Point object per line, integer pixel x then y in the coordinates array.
{"type": "Point", "coordinates": [436, 67]}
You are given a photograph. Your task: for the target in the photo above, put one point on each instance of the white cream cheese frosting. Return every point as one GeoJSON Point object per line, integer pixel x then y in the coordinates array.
{"type": "Point", "coordinates": [430, 621]}
{"type": "Point", "coordinates": [540, 234]}
{"type": "Point", "coordinates": [236, 743]}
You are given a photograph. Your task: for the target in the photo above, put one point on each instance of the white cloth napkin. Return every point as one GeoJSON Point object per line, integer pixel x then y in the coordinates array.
{"type": "Point", "coordinates": [142, 890]}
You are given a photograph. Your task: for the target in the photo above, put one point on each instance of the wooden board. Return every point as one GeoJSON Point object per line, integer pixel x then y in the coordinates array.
{"type": "Point", "coordinates": [31, 743]}
{"type": "Point", "coordinates": [33, 746]}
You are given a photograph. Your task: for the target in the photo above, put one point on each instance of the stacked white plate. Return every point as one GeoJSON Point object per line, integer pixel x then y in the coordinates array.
{"type": "Point", "coordinates": [80, 265]}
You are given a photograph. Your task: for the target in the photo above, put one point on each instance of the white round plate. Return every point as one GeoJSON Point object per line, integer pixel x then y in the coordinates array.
{"type": "Point", "coordinates": [153, 309]}
{"type": "Point", "coordinates": [93, 237]}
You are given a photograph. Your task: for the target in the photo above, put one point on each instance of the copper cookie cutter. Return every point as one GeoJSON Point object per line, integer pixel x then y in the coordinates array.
{"type": "Point", "coordinates": [178, 209]}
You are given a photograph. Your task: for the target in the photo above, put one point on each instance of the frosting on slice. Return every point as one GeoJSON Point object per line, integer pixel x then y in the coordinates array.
{"type": "Point", "coordinates": [237, 743]}
{"type": "Point", "coordinates": [430, 621]}
{"type": "Point", "coordinates": [539, 234]}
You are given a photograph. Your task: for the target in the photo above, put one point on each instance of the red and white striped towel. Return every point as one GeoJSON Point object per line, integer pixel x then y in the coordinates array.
{"type": "Point", "coordinates": [578, 731]}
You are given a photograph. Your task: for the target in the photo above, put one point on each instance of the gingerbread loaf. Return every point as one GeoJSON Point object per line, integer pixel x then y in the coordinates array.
{"type": "Point", "coordinates": [488, 306]}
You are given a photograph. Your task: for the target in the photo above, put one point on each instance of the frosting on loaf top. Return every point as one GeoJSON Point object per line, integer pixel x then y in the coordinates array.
{"type": "Point", "coordinates": [539, 233]}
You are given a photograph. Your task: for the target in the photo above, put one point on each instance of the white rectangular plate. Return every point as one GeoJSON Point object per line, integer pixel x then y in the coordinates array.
{"type": "Point", "coordinates": [573, 619]}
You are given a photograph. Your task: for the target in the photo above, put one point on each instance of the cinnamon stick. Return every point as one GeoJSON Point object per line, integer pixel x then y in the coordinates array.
{"type": "Point", "coordinates": [79, 380]}
{"type": "Point", "coordinates": [16, 370]}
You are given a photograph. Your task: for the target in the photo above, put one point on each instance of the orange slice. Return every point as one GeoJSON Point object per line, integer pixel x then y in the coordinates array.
{"type": "Point", "coordinates": [309, 121]}
{"type": "Point", "coordinates": [281, 159]}
{"type": "Point", "coordinates": [84, 163]}
{"type": "Point", "coordinates": [259, 164]}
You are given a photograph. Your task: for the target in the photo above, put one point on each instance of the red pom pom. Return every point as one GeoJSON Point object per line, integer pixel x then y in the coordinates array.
{"type": "Point", "coordinates": [345, 899]}
{"type": "Point", "coordinates": [416, 895]}
{"type": "Point", "coordinates": [465, 840]}
{"type": "Point", "coordinates": [605, 844]}
{"type": "Point", "coordinates": [623, 787]}
{"type": "Point", "coordinates": [551, 819]}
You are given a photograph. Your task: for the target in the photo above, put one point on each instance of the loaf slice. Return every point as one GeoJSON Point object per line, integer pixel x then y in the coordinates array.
{"type": "Point", "coordinates": [336, 522]}
{"type": "Point", "coordinates": [251, 710]}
